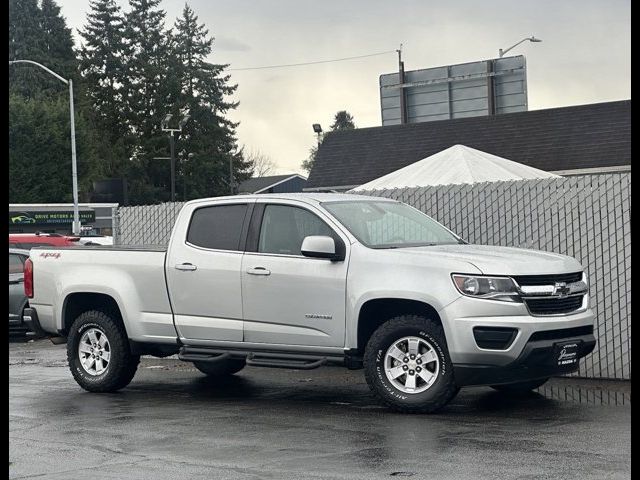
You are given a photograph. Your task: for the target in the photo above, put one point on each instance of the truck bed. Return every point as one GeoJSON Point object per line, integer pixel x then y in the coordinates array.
{"type": "Point", "coordinates": [134, 276]}
{"type": "Point", "coordinates": [133, 248]}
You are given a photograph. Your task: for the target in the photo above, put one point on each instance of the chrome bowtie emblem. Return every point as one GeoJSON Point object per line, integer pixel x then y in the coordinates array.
{"type": "Point", "coordinates": [561, 289]}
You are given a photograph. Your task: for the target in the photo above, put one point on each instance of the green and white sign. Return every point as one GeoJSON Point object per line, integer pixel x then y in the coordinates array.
{"type": "Point", "coordinates": [49, 217]}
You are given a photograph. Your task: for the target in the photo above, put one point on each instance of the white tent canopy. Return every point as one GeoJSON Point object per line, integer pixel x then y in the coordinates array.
{"type": "Point", "coordinates": [455, 165]}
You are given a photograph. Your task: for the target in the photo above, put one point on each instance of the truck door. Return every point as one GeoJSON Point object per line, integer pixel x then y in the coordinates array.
{"type": "Point", "coordinates": [203, 271]}
{"type": "Point", "coordinates": [288, 298]}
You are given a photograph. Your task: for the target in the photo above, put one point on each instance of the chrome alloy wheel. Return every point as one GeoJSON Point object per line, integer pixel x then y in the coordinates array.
{"type": "Point", "coordinates": [94, 351]}
{"type": "Point", "coordinates": [411, 364]}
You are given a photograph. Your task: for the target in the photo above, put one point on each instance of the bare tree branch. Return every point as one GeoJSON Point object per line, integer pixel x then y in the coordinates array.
{"type": "Point", "coordinates": [261, 163]}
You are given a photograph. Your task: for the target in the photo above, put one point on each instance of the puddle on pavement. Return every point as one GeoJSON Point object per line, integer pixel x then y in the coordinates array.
{"type": "Point", "coordinates": [586, 394]}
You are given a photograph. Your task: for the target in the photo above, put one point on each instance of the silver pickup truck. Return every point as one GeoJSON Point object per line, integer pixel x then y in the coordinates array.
{"type": "Point", "coordinates": [302, 280]}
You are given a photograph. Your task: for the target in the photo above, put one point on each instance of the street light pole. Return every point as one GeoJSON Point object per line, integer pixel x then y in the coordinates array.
{"type": "Point", "coordinates": [74, 166]}
{"type": "Point", "coordinates": [75, 229]}
{"type": "Point", "coordinates": [533, 39]}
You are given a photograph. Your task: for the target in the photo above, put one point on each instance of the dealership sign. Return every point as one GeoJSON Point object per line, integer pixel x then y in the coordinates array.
{"type": "Point", "coordinates": [49, 218]}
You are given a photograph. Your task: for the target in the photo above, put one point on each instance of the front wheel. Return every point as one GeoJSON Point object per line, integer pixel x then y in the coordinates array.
{"type": "Point", "coordinates": [520, 387]}
{"type": "Point", "coordinates": [98, 352]}
{"type": "Point", "coordinates": [407, 365]}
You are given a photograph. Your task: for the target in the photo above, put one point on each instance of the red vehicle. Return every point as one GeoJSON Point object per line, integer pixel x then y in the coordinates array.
{"type": "Point", "coordinates": [30, 240]}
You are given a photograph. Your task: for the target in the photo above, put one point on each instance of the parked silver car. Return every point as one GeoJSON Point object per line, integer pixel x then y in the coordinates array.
{"type": "Point", "coordinates": [17, 298]}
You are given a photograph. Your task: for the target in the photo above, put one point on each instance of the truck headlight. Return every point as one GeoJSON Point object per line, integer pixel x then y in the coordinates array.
{"type": "Point", "coordinates": [480, 286]}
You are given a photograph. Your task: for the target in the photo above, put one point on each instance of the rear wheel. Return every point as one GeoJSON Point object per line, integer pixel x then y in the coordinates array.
{"type": "Point", "coordinates": [407, 365]}
{"type": "Point", "coordinates": [98, 352]}
{"type": "Point", "coordinates": [220, 368]}
{"type": "Point", "coordinates": [520, 387]}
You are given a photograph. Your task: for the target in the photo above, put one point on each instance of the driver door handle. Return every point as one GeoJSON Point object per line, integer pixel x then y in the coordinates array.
{"type": "Point", "coordinates": [189, 267]}
{"type": "Point", "coordinates": [258, 271]}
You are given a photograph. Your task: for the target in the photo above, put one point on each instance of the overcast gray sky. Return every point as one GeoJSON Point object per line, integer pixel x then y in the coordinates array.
{"type": "Point", "coordinates": [585, 56]}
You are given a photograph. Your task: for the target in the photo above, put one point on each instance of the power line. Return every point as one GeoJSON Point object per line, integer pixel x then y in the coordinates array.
{"type": "Point", "coordinates": [310, 63]}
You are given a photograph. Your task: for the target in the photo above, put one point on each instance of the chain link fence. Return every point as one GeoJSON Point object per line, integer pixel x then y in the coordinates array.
{"type": "Point", "coordinates": [146, 224]}
{"type": "Point", "coordinates": [587, 217]}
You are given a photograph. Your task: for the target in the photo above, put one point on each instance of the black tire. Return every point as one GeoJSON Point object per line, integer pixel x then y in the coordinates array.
{"type": "Point", "coordinates": [520, 387]}
{"type": "Point", "coordinates": [438, 394]}
{"type": "Point", "coordinates": [122, 364]}
{"type": "Point", "coordinates": [221, 368]}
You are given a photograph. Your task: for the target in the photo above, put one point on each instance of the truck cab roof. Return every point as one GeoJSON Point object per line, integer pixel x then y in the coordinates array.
{"type": "Point", "coordinates": [311, 197]}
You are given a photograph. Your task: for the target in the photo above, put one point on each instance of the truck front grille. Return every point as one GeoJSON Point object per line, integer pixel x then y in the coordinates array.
{"type": "Point", "coordinates": [527, 280]}
{"type": "Point", "coordinates": [554, 305]}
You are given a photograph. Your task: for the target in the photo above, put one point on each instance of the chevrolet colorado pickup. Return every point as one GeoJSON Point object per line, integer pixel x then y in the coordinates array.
{"type": "Point", "coordinates": [302, 280]}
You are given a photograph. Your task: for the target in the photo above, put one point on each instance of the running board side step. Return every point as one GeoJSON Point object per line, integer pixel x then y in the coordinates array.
{"type": "Point", "coordinates": [257, 359]}
{"type": "Point", "coordinates": [300, 364]}
{"type": "Point", "coordinates": [190, 357]}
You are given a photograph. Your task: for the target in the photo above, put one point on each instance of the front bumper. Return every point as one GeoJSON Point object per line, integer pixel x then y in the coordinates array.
{"type": "Point", "coordinates": [537, 360]}
{"type": "Point", "coordinates": [460, 317]}
{"type": "Point", "coordinates": [526, 357]}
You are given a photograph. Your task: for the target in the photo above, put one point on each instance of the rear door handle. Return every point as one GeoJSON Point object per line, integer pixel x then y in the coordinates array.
{"type": "Point", "coordinates": [189, 267]}
{"type": "Point", "coordinates": [258, 271]}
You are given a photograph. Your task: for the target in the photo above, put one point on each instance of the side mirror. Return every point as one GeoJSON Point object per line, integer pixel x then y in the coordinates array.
{"type": "Point", "coordinates": [319, 246]}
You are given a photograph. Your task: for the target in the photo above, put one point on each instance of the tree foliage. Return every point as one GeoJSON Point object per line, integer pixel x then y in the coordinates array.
{"type": "Point", "coordinates": [102, 68]}
{"type": "Point", "coordinates": [342, 120]}
{"type": "Point", "coordinates": [39, 120]}
{"type": "Point", "coordinates": [129, 72]}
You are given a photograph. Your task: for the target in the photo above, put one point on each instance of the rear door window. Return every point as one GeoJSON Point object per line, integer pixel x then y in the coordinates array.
{"type": "Point", "coordinates": [217, 227]}
{"type": "Point", "coordinates": [16, 263]}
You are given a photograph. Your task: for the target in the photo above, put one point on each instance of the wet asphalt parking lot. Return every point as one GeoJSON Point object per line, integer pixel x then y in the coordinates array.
{"type": "Point", "coordinates": [172, 422]}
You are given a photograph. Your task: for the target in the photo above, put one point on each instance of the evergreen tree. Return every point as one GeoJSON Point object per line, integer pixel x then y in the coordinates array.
{"type": "Point", "coordinates": [57, 41]}
{"type": "Point", "coordinates": [40, 151]}
{"type": "Point", "coordinates": [208, 136]}
{"type": "Point", "coordinates": [24, 29]}
{"type": "Point", "coordinates": [130, 72]}
{"type": "Point", "coordinates": [147, 95]}
{"type": "Point", "coordinates": [26, 43]}
{"type": "Point", "coordinates": [145, 60]}
{"type": "Point", "coordinates": [342, 120]}
{"type": "Point", "coordinates": [39, 138]}
{"type": "Point", "coordinates": [101, 64]}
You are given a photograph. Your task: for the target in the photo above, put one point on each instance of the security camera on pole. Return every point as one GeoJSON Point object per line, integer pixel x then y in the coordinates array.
{"type": "Point", "coordinates": [172, 131]}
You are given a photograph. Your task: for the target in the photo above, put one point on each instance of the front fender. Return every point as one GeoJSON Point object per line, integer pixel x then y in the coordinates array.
{"type": "Point", "coordinates": [377, 274]}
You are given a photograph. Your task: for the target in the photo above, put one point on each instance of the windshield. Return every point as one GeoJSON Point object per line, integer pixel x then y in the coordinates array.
{"type": "Point", "coordinates": [381, 224]}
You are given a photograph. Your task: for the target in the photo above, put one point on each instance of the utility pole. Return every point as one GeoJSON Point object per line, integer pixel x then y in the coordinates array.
{"type": "Point", "coordinates": [403, 106]}
{"type": "Point", "coordinates": [231, 181]}
{"type": "Point", "coordinates": [164, 126]}
{"type": "Point", "coordinates": [172, 144]}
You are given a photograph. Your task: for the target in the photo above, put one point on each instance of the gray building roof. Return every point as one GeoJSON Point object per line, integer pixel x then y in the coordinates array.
{"type": "Point", "coordinates": [260, 184]}
{"type": "Point", "coordinates": [556, 139]}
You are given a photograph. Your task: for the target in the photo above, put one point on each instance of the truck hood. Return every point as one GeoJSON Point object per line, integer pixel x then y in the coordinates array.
{"type": "Point", "coordinates": [492, 260]}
